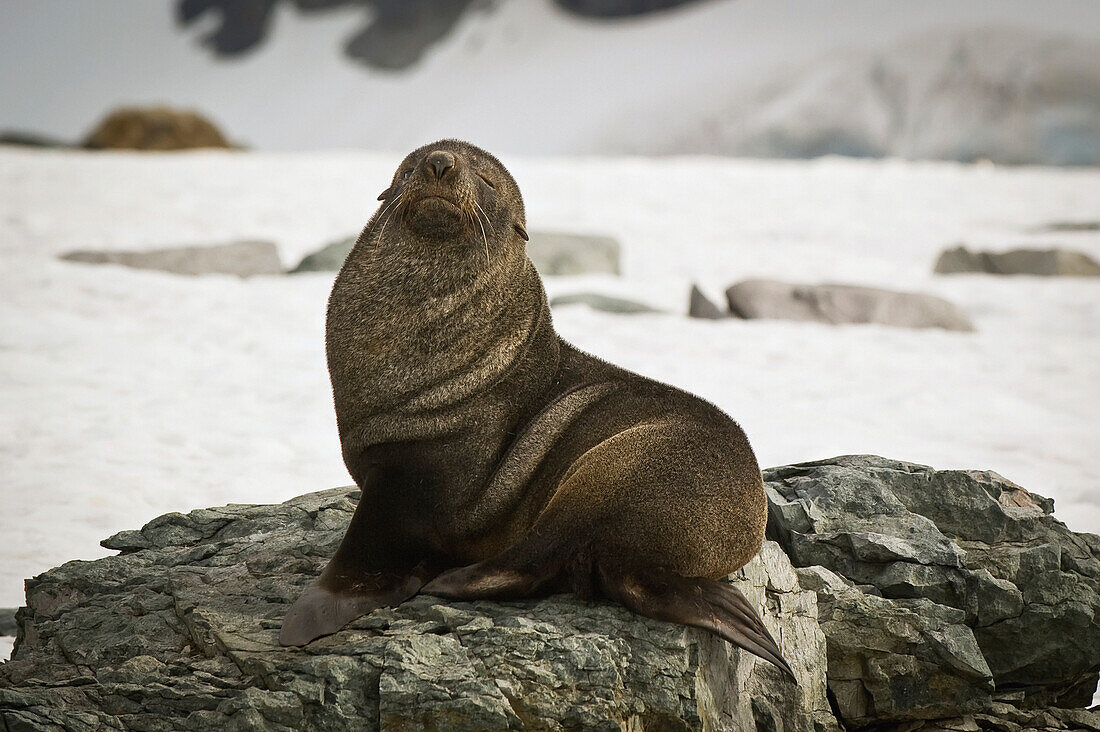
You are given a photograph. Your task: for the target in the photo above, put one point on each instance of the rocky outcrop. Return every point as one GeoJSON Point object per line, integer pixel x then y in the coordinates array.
{"type": "Point", "coordinates": [944, 560]}
{"type": "Point", "coordinates": [179, 632]}
{"type": "Point", "coordinates": [154, 128]}
{"type": "Point", "coordinates": [922, 600]}
{"type": "Point", "coordinates": [843, 304]}
{"type": "Point", "coordinates": [242, 258]}
{"type": "Point", "coordinates": [1042, 262]}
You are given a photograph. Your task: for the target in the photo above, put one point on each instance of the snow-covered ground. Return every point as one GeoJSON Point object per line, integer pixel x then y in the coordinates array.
{"type": "Point", "coordinates": [125, 394]}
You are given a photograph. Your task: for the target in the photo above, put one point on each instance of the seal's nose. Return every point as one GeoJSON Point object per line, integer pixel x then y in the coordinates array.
{"type": "Point", "coordinates": [439, 162]}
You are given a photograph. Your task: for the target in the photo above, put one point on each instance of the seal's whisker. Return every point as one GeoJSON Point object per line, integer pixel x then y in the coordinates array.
{"type": "Point", "coordinates": [392, 202]}
{"type": "Point", "coordinates": [383, 231]}
{"type": "Point", "coordinates": [484, 238]}
{"type": "Point", "coordinates": [490, 223]}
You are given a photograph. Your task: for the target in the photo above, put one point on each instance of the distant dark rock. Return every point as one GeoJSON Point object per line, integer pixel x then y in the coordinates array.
{"type": "Point", "coordinates": [1041, 262]}
{"type": "Point", "coordinates": [329, 258]}
{"type": "Point", "coordinates": [396, 36]}
{"type": "Point", "coordinates": [7, 622]}
{"type": "Point", "coordinates": [837, 304]}
{"type": "Point", "coordinates": [559, 253]}
{"type": "Point", "coordinates": [242, 258]}
{"type": "Point", "coordinates": [605, 303]}
{"type": "Point", "coordinates": [700, 306]}
{"type": "Point", "coordinates": [31, 139]}
{"type": "Point", "coordinates": [1068, 226]}
{"type": "Point", "coordinates": [179, 633]}
{"type": "Point", "coordinates": [155, 128]}
{"type": "Point", "coordinates": [398, 33]}
{"type": "Point", "coordinates": [968, 549]}
{"type": "Point", "coordinates": [619, 8]}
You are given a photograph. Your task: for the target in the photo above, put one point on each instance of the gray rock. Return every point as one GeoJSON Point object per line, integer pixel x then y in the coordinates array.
{"type": "Point", "coordinates": [1043, 262]}
{"type": "Point", "coordinates": [179, 632]}
{"type": "Point", "coordinates": [896, 660]}
{"type": "Point", "coordinates": [700, 306]}
{"type": "Point", "coordinates": [1028, 587]}
{"type": "Point", "coordinates": [553, 253]}
{"type": "Point", "coordinates": [556, 253]}
{"type": "Point", "coordinates": [605, 303]}
{"type": "Point", "coordinates": [242, 258]}
{"type": "Point", "coordinates": [843, 304]}
{"type": "Point", "coordinates": [329, 258]}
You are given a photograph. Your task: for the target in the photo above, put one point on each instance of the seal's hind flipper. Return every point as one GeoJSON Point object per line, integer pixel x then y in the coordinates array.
{"type": "Point", "coordinates": [704, 603]}
{"type": "Point", "coordinates": [486, 581]}
{"type": "Point", "coordinates": [321, 611]}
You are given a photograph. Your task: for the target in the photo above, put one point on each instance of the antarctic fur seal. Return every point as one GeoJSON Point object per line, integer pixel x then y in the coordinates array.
{"type": "Point", "coordinates": [497, 461]}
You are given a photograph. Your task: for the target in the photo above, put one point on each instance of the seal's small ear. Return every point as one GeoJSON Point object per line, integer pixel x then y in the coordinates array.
{"type": "Point", "coordinates": [521, 231]}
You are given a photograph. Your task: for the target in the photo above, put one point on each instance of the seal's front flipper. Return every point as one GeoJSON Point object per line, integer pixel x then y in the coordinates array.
{"type": "Point", "coordinates": [321, 611]}
{"type": "Point", "coordinates": [703, 603]}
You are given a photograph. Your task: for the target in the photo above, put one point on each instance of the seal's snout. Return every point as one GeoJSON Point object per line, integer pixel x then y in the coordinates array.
{"type": "Point", "coordinates": [439, 163]}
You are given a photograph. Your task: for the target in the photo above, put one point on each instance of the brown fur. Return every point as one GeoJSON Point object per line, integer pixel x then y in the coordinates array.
{"type": "Point", "coordinates": [495, 459]}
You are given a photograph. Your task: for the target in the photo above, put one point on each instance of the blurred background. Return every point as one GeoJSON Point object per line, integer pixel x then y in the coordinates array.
{"type": "Point", "coordinates": [217, 157]}
{"type": "Point", "coordinates": [1011, 82]}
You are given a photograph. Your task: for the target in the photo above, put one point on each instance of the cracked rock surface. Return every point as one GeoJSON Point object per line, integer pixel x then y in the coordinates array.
{"type": "Point", "coordinates": [179, 632]}
{"type": "Point", "coordinates": [939, 588]}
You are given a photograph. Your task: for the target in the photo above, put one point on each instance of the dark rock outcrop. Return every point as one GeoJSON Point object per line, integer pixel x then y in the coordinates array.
{"type": "Point", "coordinates": [24, 138]}
{"type": "Point", "coordinates": [1042, 262]}
{"type": "Point", "coordinates": [179, 632]}
{"type": "Point", "coordinates": [155, 128]}
{"type": "Point", "coordinates": [241, 258]}
{"type": "Point", "coordinates": [1061, 227]}
{"type": "Point", "coordinates": [7, 621]}
{"type": "Point", "coordinates": [837, 304]}
{"type": "Point", "coordinates": [966, 552]}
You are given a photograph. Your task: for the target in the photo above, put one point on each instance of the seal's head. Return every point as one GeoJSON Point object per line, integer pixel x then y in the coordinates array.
{"type": "Point", "coordinates": [455, 194]}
